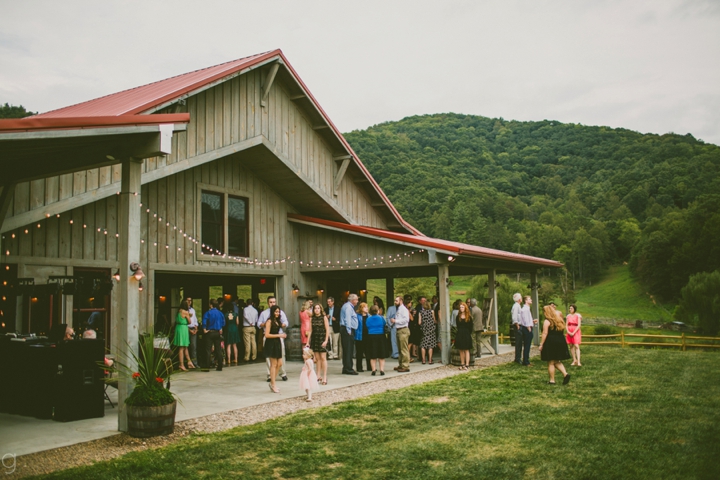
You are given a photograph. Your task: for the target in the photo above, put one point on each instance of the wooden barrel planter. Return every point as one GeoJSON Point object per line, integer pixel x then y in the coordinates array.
{"type": "Point", "coordinates": [455, 357]}
{"type": "Point", "coordinates": [293, 345]}
{"type": "Point", "coordinates": [146, 422]}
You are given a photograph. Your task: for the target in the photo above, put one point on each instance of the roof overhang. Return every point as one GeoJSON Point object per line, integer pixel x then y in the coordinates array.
{"type": "Point", "coordinates": [36, 148]}
{"type": "Point", "coordinates": [462, 258]}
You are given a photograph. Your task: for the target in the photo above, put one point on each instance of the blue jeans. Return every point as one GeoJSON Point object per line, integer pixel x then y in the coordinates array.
{"type": "Point", "coordinates": [393, 342]}
{"type": "Point", "coordinates": [526, 333]}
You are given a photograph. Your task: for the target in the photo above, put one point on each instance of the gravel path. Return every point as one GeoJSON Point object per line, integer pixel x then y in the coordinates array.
{"type": "Point", "coordinates": [111, 447]}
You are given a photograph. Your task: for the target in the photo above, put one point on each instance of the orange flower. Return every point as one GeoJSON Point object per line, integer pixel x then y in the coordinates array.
{"type": "Point", "coordinates": [136, 375]}
{"type": "Point", "coordinates": [158, 379]}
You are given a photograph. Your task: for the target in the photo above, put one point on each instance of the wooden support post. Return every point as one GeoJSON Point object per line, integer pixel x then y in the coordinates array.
{"type": "Point", "coordinates": [622, 338]}
{"type": "Point", "coordinates": [444, 291]}
{"type": "Point", "coordinates": [535, 307]}
{"type": "Point", "coordinates": [493, 309]}
{"type": "Point", "coordinates": [683, 341]}
{"type": "Point", "coordinates": [8, 191]}
{"type": "Point", "coordinates": [126, 328]}
{"type": "Point", "coordinates": [340, 174]}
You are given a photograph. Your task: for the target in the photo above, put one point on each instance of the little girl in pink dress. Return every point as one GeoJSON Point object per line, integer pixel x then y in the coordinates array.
{"type": "Point", "coordinates": [308, 377]}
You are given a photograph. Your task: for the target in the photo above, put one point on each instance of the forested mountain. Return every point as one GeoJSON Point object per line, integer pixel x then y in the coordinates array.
{"type": "Point", "coordinates": [587, 196]}
{"type": "Point", "coordinates": [12, 111]}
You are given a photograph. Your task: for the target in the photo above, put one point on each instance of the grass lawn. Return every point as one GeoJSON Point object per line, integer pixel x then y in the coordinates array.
{"type": "Point", "coordinates": [619, 296]}
{"type": "Point", "coordinates": [628, 413]}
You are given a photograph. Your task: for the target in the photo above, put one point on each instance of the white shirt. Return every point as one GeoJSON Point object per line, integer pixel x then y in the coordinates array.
{"type": "Point", "coordinates": [402, 317]}
{"type": "Point", "coordinates": [250, 316]}
{"type": "Point", "coordinates": [193, 318]}
{"type": "Point", "coordinates": [266, 314]}
{"type": "Point", "coordinates": [515, 313]}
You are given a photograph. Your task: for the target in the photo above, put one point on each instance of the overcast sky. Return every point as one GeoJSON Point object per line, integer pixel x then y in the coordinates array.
{"type": "Point", "coordinates": [651, 66]}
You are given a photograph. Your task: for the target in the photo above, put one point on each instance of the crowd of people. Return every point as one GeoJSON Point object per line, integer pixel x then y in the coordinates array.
{"type": "Point", "coordinates": [362, 336]}
{"type": "Point", "coordinates": [555, 337]}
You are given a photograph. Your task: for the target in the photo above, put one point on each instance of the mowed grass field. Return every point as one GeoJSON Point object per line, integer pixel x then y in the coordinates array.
{"type": "Point", "coordinates": [627, 413]}
{"type": "Point", "coordinates": [619, 296]}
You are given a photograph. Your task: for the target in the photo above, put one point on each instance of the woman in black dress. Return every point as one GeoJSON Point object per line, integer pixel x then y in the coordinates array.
{"type": "Point", "coordinates": [415, 331]}
{"type": "Point", "coordinates": [273, 347]}
{"type": "Point", "coordinates": [553, 347]}
{"type": "Point", "coordinates": [463, 337]}
{"type": "Point", "coordinates": [318, 340]}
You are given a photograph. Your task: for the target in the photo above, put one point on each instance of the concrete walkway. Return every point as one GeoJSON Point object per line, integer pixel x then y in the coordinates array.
{"type": "Point", "coordinates": [201, 393]}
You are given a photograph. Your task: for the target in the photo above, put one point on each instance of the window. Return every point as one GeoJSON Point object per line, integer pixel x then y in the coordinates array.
{"type": "Point", "coordinates": [225, 223]}
{"type": "Point", "coordinates": [237, 226]}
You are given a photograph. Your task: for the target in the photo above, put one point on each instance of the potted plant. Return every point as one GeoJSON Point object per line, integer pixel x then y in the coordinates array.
{"type": "Point", "coordinates": [151, 406]}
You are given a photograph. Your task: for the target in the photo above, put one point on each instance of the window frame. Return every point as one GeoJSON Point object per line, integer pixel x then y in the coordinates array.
{"type": "Point", "coordinates": [225, 193]}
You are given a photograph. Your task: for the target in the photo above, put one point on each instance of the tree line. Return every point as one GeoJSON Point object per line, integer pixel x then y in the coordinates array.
{"type": "Point", "coordinates": [587, 196]}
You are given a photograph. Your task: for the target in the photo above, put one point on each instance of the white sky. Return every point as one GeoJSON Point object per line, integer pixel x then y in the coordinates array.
{"type": "Point", "coordinates": [651, 66]}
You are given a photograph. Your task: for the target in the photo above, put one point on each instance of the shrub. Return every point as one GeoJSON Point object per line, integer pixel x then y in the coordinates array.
{"type": "Point", "coordinates": [605, 330]}
{"type": "Point", "coordinates": [150, 396]}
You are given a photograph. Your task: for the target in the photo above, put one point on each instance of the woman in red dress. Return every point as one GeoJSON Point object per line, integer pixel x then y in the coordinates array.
{"type": "Point", "coordinates": [574, 336]}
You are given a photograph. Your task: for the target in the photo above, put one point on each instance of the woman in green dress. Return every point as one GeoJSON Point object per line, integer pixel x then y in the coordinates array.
{"type": "Point", "coordinates": [231, 334]}
{"type": "Point", "coordinates": [182, 336]}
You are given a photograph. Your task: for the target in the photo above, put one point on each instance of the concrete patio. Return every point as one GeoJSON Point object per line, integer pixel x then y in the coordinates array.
{"type": "Point", "coordinates": [201, 393]}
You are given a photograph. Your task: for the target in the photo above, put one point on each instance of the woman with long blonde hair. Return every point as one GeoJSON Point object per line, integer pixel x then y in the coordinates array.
{"type": "Point", "coordinates": [553, 347]}
{"type": "Point", "coordinates": [305, 324]}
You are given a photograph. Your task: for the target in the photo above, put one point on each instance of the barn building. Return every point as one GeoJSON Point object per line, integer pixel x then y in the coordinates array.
{"type": "Point", "coordinates": [230, 179]}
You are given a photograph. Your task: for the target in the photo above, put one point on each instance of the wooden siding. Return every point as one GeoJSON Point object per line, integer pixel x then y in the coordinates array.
{"type": "Point", "coordinates": [318, 245]}
{"type": "Point", "coordinates": [221, 116]}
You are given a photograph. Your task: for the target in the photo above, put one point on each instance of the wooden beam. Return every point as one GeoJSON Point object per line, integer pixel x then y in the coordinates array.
{"type": "Point", "coordinates": [379, 204]}
{"type": "Point", "coordinates": [268, 82]}
{"type": "Point", "coordinates": [320, 127]}
{"type": "Point", "coordinates": [5, 198]}
{"type": "Point", "coordinates": [297, 97]}
{"type": "Point", "coordinates": [128, 320]}
{"type": "Point", "coordinates": [75, 201]}
{"type": "Point", "coordinates": [361, 180]}
{"type": "Point", "coordinates": [339, 158]}
{"type": "Point", "coordinates": [340, 174]}
{"type": "Point", "coordinates": [444, 299]}
{"type": "Point", "coordinates": [535, 306]}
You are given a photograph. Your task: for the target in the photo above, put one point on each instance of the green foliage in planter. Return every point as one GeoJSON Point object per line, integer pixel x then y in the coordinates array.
{"type": "Point", "coordinates": [150, 396]}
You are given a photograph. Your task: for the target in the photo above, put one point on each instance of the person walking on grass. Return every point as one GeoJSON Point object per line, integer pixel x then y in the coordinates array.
{"type": "Point", "coordinates": [527, 323]}
{"type": "Point", "coordinates": [318, 339]}
{"type": "Point", "coordinates": [574, 336]}
{"type": "Point", "coordinates": [553, 347]}
{"type": "Point", "coordinates": [273, 344]}
{"type": "Point", "coordinates": [375, 342]}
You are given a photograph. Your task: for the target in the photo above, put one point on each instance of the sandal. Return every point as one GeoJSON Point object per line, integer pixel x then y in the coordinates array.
{"type": "Point", "coordinates": [183, 368]}
{"type": "Point", "coordinates": [324, 382]}
{"type": "Point", "coordinates": [382, 373]}
{"type": "Point", "coordinates": [551, 383]}
{"type": "Point", "coordinates": [431, 362]}
{"type": "Point", "coordinates": [191, 366]}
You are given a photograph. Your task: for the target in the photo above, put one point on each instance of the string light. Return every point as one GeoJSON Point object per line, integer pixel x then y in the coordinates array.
{"type": "Point", "coordinates": [214, 252]}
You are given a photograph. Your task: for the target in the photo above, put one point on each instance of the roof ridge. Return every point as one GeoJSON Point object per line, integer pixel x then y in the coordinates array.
{"type": "Point", "coordinates": [153, 83]}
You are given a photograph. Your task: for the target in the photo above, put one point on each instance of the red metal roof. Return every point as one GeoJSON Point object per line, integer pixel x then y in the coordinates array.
{"type": "Point", "coordinates": [428, 242]}
{"type": "Point", "coordinates": [66, 123]}
{"type": "Point", "coordinates": [140, 99]}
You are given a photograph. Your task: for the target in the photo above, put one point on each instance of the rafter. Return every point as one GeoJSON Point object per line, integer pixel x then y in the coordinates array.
{"type": "Point", "coordinates": [340, 174]}
{"type": "Point", "coordinates": [268, 82]}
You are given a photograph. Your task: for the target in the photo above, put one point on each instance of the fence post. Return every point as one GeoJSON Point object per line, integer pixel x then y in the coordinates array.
{"type": "Point", "coordinates": [622, 338]}
{"type": "Point", "coordinates": [683, 341]}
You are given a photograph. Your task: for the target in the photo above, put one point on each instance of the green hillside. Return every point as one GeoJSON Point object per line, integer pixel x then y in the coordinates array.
{"type": "Point", "coordinates": [619, 296]}
{"type": "Point", "coordinates": [590, 197]}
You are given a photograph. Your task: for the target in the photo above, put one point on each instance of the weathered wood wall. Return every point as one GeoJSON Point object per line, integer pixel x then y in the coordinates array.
{"type": "Point", "coordinates": [223, 115]}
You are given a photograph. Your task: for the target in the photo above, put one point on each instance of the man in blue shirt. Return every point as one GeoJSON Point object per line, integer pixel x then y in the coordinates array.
{"type": "Point", "coordinates": [348, 326]}
{"type": "Point", "coordinates": [213, 323]}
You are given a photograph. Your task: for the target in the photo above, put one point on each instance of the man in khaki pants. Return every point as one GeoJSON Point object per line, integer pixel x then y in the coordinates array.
{"type": "Point", "coordinates": [477, 316]}
{"type": "Point", "coordinates": [250, 318]}
{"type": "Point", "coordinates": [402, 322]}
